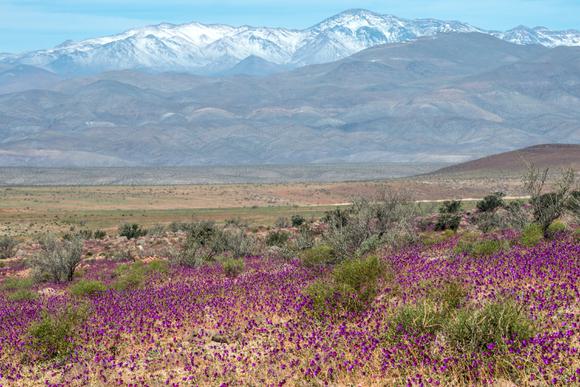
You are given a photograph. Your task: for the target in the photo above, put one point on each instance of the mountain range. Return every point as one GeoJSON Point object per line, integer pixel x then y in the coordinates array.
{"type": "Point", "coordinates": [222, 49]}
{"type": "Point", "coordinates": [446, 98]}
{"type": "Point", "coordinates": [357, 87]}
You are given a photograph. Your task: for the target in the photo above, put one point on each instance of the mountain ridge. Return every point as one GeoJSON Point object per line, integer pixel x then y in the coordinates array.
{"type": "Point", "coordinates": [214, 48]}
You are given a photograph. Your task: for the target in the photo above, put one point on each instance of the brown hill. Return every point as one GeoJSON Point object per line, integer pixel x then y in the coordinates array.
{"type": "Point", "coordinates": [553, 156]}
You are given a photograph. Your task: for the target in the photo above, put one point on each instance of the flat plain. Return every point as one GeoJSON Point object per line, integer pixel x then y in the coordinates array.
{"type": "Point", "coordinates": [31, 210]}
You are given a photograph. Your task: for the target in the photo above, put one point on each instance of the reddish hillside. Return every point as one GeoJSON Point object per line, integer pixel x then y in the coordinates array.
{"type": "Point", "coordinates": [547, 155]}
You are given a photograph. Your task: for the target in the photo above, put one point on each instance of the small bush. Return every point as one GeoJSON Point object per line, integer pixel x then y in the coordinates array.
{"type": "Point", "coordinates": [130, 276]}
{"type": "Point", "coordinates": [133, 276]}
{"type": "Point", "coordinates": [367, 225]}
{"type": "Point", "coordinates": [421, 318]}
{"type": "Point", "coordinates": [202, 245]}
{"type": "Point", "coordinates": [236, 243]}
{"type": "Point", "coordinates": [57, 260]}
{"type": "Point", "coordinates": [304, 240]}
{"type": "Point", "coordinates": [532, 235]}
{"type": "Point", "coordinates": [433, 238]}
{"type": "Point", "coordinates": [297, 220]}
{"type": "Point", "coordinates": [156, 230]}
{"type": "Point", "coordinates": [489, 247]}
{"type": "Point", "coordinates": [322, 296]}
{"type": "Point", "coordinates": [205, 242]}
{"type": "Point", "coordinates": [233, 266]}
{"type": "Point", "coordinates": [353, 285]}
{"type": "Point", "coordinates": [451, 295]}
{"type": "Point", "coordinates": [53, 336]}
{"type": "Point", "coordinates": [549, 206]}
{"type": "Point", "coordinates": [22, 295]}
{"type": "Point", "coordinates": [7, 247]}
{"type": "Point", "coordinates": [178, 226]}
{"type": "Point", "coordinates": [132, 231]}
{"type": "Point", "coordinates": [87, 288]}
{"type": "Point", "coordinates": [318, 256]}
{"type": "Point", "coordinates": [556, 228]}
{"type": "Point", "coordinates": [474, 330]}
{"type": "Point", "coordinates": [100, 234]}
{"type": "Point", "coordinates": [491, 203]}
{"type": "Point", "coordinates": [489, 221]}
{"type": "Point", "coordinates": [282, 222]}
{"type": "Point", "coordinates": [277, 238]}
{"type": "Point", "coordinates": [361, 275]}
{"type": "Point", "coordinates": [85, 234]}
{"type": "Point", "coordinates": [157, 266]}
{"type": "Point", "coordinates": [481, 248]}
{"type": "Point", "coordinates": [449, 216]}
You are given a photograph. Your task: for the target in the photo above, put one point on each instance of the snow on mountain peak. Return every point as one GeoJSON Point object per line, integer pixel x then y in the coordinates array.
{"type": "Point", "coordinates": [211, 48]}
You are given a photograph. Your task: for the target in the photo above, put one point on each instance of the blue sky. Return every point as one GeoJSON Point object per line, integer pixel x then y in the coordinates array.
{"type": "Point", "coordinates": [33, 24]}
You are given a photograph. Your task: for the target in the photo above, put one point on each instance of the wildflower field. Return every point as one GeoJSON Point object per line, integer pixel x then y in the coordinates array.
{"type": "Point", "coordinates": [438, 316]}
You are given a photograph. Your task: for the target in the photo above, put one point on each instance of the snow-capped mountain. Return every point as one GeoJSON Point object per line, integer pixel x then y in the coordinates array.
{"type": "Point", "coordinates": [214, 48]}
{"type": "Point", "coordinates": [540, 35]}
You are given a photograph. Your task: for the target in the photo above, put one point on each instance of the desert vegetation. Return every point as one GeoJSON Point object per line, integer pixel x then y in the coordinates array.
{"type": "Point", "coordinates": [377, 292]}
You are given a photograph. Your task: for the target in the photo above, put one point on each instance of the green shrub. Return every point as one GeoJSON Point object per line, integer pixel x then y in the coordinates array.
{"type": "Point", "coordinates": [555, 228]}
{"type": "Point", "coordinates": [549, 206]}
{"type": "Point", "coordinates": [205, 242]}
{"type": "Point", "coordinates": [156, 230]}
{"type": "Point", "coordinates": [449, 216]}
{"type": "Point", "coordinates": [422, 318]}
{"type": "Point", "coordinates": [297, 220]}
{"type": "Point", "coordinates": [277, 238]}
{"type": "Point", "coordinates": [532, 235]}
{"type": "Point", "coordinates": [433, 238]}
{"type": "Point", "coordinates": [491, 203]}
{"type": "Point", "coordinates": [282, 222]}
{"type": "Point", "coordinates": [85, 234]}
{"type": "Point", "coordinates": [474, 330]}
{"type": "Point", "coordinates": [233, 266]}
{"type": "Point", "coordinates": [87, 288]}
{"type": "Point", "coordinates": [366, 225]}
{"type": "Point", "coordinates": [157, 266]}
{"type": "Point", "coordinates": [356, 280]}
{"type": "Point", "coordinates": [317, 256]}
{"type": "Point", "coordinates": [130, 276]}
{"type": "Point", "coordinates": [450, 295]}
{"type": "Point", "coordinates": [236, 243]}
{"type": "Point", "coordinates": [178, 226]}
{"type": "Point", "coordinates": [131, 231]}
{"type": "Point", "coordinates": [202, 245]}
{"type": "Point", "coordinates": [133, 276]}
{"type": "Point", "coordinates": [53, 336]}
{"type": "Point", "coordinates": [481, 248]}
{"type": "Point", "coordinates": [57, 260]}
{"type": "Point", "coordinates": [22, 295]}
{"type": "Point", "coordinates": [352, 286]}
{"type": "Point", "coordinates": [322, 295]}
{"type": "Point", "coordinates": [489, 247]}
{"type": "Point", "coordinates": [361, 275]}
{"type": "Point", "coordinates": [7, 247]}
{"type": "Point", "coordinates": [304, 240]}
{"type": "Point", "coordinates": [100, 234]}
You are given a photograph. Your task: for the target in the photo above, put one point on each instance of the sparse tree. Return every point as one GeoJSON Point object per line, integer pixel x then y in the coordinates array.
{"type": "Point", "coordinates": [57, 260]}
{"type": "Point", "coordinates": [549, 206]}
{"type": "Point", "coordinates": [369, 224]}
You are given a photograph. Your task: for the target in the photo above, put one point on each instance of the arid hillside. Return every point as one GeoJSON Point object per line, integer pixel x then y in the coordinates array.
{"type": "Point", "coordinates": [553, 156]}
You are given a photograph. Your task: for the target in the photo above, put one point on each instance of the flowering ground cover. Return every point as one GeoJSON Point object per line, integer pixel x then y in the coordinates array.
{"type": "Point", "coordinates": [186, 326]}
